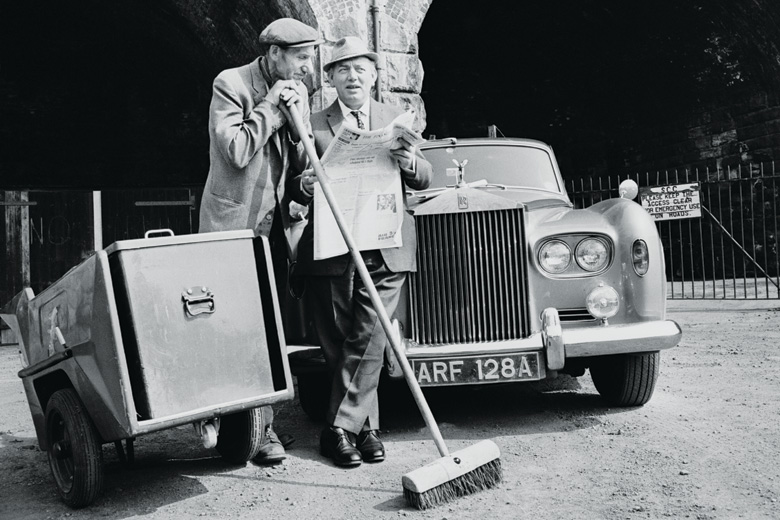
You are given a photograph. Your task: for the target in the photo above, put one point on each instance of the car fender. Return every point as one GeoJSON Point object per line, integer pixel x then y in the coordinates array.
{"type": "Point", "coordinates": [630, 222]}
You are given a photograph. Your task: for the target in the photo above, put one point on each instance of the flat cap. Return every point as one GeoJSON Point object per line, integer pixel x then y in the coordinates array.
{"type": "Point", "coordinates": [289, 32]}
{"type": "Point", "coordinates": [348, 48]}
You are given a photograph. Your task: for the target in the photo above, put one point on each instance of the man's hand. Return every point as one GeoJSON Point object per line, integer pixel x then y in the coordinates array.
{"type": "Point", "coordinates": [285, 93]}
{"type": "Point", "coordinates": [308, 179]}
{"type": "Point", "coordinates": [298, 211]}
{"type": "Point", "coordinates": [404, 154]}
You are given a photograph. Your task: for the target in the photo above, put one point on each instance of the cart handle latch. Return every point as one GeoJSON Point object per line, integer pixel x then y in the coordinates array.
{"type": "Point", "coordinates": [164, 231]}
{"type": "Point", "coordinates": [198, 300]}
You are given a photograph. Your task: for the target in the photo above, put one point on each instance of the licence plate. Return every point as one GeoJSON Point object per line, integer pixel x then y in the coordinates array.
{"type": "Point", "coordinates": [478, 369]}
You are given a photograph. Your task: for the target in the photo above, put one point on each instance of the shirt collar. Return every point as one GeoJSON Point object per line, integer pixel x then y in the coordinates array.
{"type": "Point", "coordinates": [264, 70]}
{"type": "Point", "coordinates": [365, 110]}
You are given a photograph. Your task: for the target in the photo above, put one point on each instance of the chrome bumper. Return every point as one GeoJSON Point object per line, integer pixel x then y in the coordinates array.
{"type": "Point", "coordinates": [622, 339]}
{"type": "Point", "coordinates": [557, 343]}
{"type": "Point", "coordinates": [572, 342]}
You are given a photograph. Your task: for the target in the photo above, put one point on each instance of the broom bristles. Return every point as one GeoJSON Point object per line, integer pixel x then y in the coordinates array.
{"type": "Point", "coordinates": [483, 477]}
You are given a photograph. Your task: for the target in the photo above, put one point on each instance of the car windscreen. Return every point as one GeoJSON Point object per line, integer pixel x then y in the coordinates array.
{"type": "Point", "coordinates": [510, 165]}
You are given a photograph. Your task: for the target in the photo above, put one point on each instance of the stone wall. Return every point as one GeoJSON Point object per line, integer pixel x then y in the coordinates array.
{"type": "Point", "coordinates": [400, 69]}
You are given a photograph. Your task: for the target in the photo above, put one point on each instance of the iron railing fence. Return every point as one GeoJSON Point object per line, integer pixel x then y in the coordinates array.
{"type": "Point", "coordinates": [731, 251]}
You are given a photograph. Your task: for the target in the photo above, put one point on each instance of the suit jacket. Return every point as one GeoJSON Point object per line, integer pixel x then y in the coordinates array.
{"type": "Point", "coordinates": [325, 125]}
{"type": "Point", "coordinates": [250, 152]}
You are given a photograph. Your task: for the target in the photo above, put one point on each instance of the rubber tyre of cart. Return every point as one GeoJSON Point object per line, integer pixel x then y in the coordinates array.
{"type": "Point", "coordinates": [240, 435]}
{"type": "Point", "coordinates": [75, 451]}
{"type": "Point", "coordinates": [626, 379]}
{"type": "Point", "coordinates": [314, 393]}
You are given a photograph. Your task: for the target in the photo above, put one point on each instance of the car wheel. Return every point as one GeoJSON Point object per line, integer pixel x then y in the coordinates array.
{"type": "Point", "coordinates": [75, 452]}
{"type": "Point", "coordinates": [240, 435]}
{"type": "Point", "coordinates": [626, 379]}
{"type": "Point", "coordinates": [314, 394]}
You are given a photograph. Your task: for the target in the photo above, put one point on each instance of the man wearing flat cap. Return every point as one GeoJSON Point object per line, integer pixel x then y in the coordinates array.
{"type": "Point", "coordinates": [348, 327]}
{"type": "Point", "coordinates": [253, 143]}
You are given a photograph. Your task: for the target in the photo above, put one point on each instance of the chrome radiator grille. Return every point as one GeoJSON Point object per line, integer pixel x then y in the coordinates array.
{"type": "Point", "coordinates": [470, 284]}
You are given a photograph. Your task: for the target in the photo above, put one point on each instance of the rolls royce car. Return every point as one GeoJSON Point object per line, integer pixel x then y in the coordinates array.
{"type": "Point", "coordinates": [514, 284]}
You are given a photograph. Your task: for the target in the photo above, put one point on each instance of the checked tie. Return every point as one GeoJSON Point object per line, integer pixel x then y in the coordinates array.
{"type": "Point", "coordinates": [360, 124]}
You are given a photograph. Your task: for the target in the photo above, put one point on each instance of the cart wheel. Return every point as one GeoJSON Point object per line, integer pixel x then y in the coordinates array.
{"type": "Point", "coordinates": [240, 435]}
{"type": "Point", "coordinates": [75, 454]}
{"type": "Point", "coordinates": [209, 435]}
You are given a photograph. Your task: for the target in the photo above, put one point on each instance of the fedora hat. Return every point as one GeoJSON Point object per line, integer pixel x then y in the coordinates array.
{"type": "Point", "coordinates": [348, 48]}
{"type": "Point", "coordinates": [289, 32]}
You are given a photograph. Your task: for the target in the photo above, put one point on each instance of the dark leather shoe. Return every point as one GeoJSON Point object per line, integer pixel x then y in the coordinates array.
{"type": "Point", "coordinates": [370, 447]}
{"type": "Point", "coordinates": [336, 444]}
{"type": "Point", "coordinates": [271, 450]}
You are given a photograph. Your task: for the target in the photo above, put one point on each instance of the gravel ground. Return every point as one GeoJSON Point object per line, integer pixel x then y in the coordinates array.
{"type": "Point", "coordinates": [706, 446]}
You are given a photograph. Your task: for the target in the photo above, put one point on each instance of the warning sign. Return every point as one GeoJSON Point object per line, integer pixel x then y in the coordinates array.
{"type": "Point", "coordinates": [671, 202]}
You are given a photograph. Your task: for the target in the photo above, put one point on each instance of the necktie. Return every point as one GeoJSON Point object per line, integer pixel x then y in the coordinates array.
{"type": "Point", "coordinates": [360, 124]}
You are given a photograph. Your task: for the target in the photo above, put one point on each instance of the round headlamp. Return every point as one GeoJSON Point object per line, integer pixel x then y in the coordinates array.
{"type": "Point", "coordinates": [555, 256]}
{"type": "Point", "coordinates": [603, 302]}
{"type": "Point", "coordinates": [592, 254]}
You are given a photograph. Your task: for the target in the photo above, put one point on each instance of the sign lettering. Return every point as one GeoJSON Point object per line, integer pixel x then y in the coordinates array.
{"type": "Point", "coordinates": [671, 202]}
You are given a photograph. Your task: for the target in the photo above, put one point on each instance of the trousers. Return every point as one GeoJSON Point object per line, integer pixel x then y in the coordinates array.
{"type": "Point", "coordinates": [353, 339]}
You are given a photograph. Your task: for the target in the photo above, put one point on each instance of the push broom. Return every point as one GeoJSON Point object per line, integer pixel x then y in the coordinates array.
{"type": "Point", "coordinates": [455, 474]}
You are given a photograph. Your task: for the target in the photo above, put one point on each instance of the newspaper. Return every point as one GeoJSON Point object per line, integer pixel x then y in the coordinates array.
{"type": "Point", "coordinates": [365, 181]}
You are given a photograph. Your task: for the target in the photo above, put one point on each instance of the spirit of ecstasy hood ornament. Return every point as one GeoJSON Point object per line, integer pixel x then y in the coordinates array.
{"type": "Point", "coordinates": [459, 180]}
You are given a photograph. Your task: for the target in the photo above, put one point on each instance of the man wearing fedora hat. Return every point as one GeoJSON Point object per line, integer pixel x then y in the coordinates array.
{"type": "Point", "coordinates": [253, 142]}
{"type": "Point", "coordinates": [350, 334]}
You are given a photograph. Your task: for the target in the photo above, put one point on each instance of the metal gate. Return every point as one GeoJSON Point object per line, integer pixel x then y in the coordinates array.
{"type": "Point", "coordinates": [48, 232]}
{"type": "Point", "coordinates": [731, 251]}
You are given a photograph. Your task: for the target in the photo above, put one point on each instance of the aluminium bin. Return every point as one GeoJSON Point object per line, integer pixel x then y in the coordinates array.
{"type": "Point", "coordinates": [158, 332]}
{"type": "Point", "coordinates": [192, 321]}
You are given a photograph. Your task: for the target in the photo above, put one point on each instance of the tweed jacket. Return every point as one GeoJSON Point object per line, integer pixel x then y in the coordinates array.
{"type": "Point", "coordinates": [325, 125]}
{"type": "Point", "coordinates": [250, 152]}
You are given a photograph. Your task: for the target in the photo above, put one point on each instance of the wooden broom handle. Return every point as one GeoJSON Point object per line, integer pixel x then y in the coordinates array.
{"type": "Point", "coordinates": [379, 307]}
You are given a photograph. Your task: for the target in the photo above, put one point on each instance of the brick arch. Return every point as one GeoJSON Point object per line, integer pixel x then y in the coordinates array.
{"type": "Point", "coordinates": [404, 11]}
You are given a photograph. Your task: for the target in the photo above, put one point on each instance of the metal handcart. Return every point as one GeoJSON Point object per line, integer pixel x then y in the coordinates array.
{"type": "Point", "coordinates": [147, 335]}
